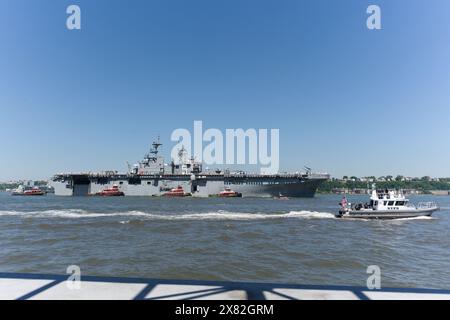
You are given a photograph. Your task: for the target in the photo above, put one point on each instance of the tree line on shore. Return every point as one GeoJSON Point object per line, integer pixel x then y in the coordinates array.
{"type": "Point", "coordinates": [424, 184]}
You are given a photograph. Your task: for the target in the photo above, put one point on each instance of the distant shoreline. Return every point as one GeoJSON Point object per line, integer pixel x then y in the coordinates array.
{"type": "Point", "coordinates": [354, 185]}
{"type": "Point", "coordinates": [442, 193]}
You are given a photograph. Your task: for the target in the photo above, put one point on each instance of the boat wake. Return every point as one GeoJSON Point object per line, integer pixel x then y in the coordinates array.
{"type": "Point", "coordinates": [226, 215]}
{"type": "Point", "coordinates": [219, 215]}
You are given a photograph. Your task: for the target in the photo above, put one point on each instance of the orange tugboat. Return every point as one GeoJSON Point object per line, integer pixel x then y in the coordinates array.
{"type": "Point", "coordinates": [111, 192]}
{"type": "Point", "coordinates": [177, 192]}
{"type": "Point", "coordinates": [228, 193]}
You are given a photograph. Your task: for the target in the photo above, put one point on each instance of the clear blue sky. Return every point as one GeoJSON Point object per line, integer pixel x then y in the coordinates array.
{"type": "Point", "coordinates": [346, 100]}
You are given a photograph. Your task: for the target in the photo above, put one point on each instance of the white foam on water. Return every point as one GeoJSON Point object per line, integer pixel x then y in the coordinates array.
{"type": "Point", "coordinates": [66, 213]}
{"type": "Point", "coordinates": [219, 215]}
{"type": "Point", "coordinates": [225, 215]}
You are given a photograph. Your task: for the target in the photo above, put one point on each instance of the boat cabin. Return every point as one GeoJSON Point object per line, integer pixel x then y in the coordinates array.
{"type": "Point", "coordinates": [388, 200]}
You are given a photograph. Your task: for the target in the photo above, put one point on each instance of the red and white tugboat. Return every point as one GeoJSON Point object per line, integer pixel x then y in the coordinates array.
{"type": "Point", "coordinates": [111, 192]}
{"type": "Point", "coordinates": [21, 191]}
{"type": "Point", "coordinates": [34, 192]}
{"type": "Point", "coordinates": [228, 193]}
{"type": "Point", "coordinates": [177, 192]}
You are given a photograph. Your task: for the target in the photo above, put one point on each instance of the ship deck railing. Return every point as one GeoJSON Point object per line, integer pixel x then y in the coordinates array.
{"type": "Point", "coordinates": [197, 175]}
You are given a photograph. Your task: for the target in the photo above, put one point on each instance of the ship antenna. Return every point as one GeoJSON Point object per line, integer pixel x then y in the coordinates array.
{"type": "Point", "coordinates": [156, 144]}
{"type": "Point", "coordinates": [181, 153]}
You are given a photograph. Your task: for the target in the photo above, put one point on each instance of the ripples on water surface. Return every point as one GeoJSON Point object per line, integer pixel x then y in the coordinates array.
{"type": "Point", "coordinates": [249, 239]}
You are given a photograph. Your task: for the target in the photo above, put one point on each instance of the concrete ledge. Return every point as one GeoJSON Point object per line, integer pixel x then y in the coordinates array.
{"type": "Point", "coordinates": [17, 286]}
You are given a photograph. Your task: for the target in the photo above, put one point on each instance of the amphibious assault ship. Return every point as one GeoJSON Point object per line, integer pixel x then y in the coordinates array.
{"type": "Point", "coordinates": [152, 177]}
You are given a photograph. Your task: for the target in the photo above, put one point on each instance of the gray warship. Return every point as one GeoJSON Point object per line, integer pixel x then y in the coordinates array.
{"type": "Point", "coordinates": [152, 177]}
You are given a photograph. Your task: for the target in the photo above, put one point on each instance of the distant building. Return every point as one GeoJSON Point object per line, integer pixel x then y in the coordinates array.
{"type": "Point", "coordinates": [440, 192]}
{"type": "Point", "coordinates": [340, 190]}
{"type": "Point", "coordinates": [411, 191]}
{"type": "Point", "coordinates": [28, 183]}
{"type": "Point", "coordinates": [360, 191]}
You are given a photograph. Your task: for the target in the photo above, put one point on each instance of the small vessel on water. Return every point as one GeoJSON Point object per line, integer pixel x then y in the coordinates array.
{"type": "Point", "coordinates": [281, 197]}
{"type": "Point", "coordinates": [18, 191]}
{"type": "Point", "coordinates": [386, 204]}
{"type": "Point", "coordinates": [111, 192]}
{"type": "Point", "coordinates": [21, 191]}
{"type": "Point", "coordinates": [228, 193]}
{"type": "Point", "coordinates": [34, 192]}
{"type": "Point", "coordinates": [177, 192]}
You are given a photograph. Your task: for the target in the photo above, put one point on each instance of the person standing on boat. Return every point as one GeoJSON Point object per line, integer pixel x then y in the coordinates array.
{"type": "Point", "coordinates": [344, 202]}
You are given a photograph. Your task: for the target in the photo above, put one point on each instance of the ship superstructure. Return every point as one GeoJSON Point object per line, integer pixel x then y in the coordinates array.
{"type": "Point", "coordinates": [152, 177]}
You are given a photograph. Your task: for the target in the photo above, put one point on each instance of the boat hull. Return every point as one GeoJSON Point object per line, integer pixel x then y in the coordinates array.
{"type": "Point", "coordinates": [34, 194]}
{"type": "Point", "coordinates": [385, 214]}
{"type": "Point", "coordinates": [116, 194]}
{"type": "Point", "coordinates": [234, 195]}
{"type": "Point", "coordinates": [176, 195]}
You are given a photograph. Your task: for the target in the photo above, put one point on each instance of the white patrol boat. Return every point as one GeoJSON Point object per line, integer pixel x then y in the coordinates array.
{"type": "Point", "coordinates": [386, 204]}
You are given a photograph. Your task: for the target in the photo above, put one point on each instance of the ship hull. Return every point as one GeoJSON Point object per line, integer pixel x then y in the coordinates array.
{"type": "Point", "coordinates": [306, 189]}
{"type": "Point", "coordinates": [199, 186]}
